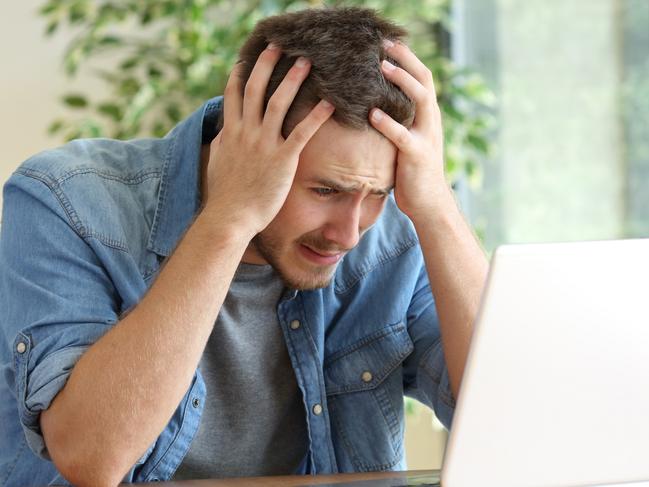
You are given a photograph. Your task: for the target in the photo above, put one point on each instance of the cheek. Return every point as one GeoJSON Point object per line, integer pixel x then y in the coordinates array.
{"type": "Point", "coordinates": [300, 215]}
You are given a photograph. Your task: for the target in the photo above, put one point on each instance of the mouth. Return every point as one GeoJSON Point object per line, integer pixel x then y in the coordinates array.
{"type": "Point", "coordinates": [320, 258]}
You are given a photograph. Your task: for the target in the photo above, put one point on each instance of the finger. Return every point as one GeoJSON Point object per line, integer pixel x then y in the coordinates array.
{"type": "Point", "coordinates": [304, 130]}
{"type": "Point", "coordinates": [411, 63]}
{"type": "Point", "coordinates": [232, 97]}
{"type": "Point", "coordinates": [399, 135]}
{"type": "Point", "coordinates": [255, 90]}
{"type": "Point", "coordinates": [425, 102]}
{"type": "Point", "coordinates": [284, 95]}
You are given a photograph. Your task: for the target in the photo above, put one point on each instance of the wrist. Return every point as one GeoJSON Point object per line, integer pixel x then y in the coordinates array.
{"type": "Point", "coordinates": [225, 226]}
{"type": "Point", "coordinates": [438, 205]}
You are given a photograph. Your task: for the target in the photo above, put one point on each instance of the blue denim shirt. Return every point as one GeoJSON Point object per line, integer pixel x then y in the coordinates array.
{"type": "Point", "coordinates": [85, 229]}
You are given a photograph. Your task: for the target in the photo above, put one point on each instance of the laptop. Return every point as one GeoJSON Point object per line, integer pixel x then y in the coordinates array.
{"type": "Point", "coordinates": [555, 391]}
{"type": "Point", "coordinates": [556, 386]}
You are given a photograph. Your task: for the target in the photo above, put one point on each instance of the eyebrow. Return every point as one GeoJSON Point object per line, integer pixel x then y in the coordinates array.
{"type": "Point", "coordinates": [350, 189]}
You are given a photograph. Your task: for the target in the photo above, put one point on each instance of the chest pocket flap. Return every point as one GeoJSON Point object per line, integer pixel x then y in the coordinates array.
{"type": "Point", "coordinates": [363, 365]}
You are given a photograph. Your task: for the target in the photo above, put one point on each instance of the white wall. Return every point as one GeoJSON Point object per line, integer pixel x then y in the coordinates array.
{"type": "Point", "coordinates": [32, 81]}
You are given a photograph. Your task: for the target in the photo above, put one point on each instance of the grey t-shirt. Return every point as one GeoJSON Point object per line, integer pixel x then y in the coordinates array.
{"type": "Point", "coordinates": [253, 421]}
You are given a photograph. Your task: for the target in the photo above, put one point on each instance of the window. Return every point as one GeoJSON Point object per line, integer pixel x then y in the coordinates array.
{"type": "Point", "coordinates": [571, 77]}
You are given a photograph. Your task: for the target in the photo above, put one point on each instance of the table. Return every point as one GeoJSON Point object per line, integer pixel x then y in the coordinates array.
{"type": "Point", "coordinates": [376, 479]}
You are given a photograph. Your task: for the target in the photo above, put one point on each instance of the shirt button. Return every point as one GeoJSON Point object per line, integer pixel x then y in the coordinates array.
{"type": "Point", "coordinates": [295, 324]}
{"type": "Point", "coordinates": [21, 347]}
{"type": "Point", "coordinates": [317, 409]}
{"type": "Point", "coordinates": [196, 402]}
{"type": "Point", "coordinates": [367, 376]}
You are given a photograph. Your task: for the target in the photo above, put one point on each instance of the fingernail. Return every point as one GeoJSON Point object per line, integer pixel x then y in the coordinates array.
{"type": "Point", "coordinates": [387, 65]}
{"type": "Point", "coordinates": [271, 46]}
{"type": "Point", "coordinates": [377, 115]}
{"type": "Point", "coordinates": [301, 62]}
{"type": "Point", "coordinates": [387, 44]}
{"type": "Point", "coordinates": [326, 104]}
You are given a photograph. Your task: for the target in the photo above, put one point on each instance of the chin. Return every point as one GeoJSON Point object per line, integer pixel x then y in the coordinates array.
{"type": "Point", "coordinates": [306, 283]}
{"type": "Point", "coordinates": [304, 280]}
{"type": "Point", "coordinates": [291, 267]}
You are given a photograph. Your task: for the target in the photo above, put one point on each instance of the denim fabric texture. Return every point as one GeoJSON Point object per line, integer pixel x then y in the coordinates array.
{"type": "Point", "coordinates": [85, 229]}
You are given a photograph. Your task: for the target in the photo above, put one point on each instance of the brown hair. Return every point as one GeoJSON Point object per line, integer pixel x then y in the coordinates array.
{"type": "Point", "coordinates": [345, 48]}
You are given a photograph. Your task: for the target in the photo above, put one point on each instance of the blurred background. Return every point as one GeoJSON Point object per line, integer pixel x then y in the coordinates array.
{"type": "Point", "coordinates": [545, 102]}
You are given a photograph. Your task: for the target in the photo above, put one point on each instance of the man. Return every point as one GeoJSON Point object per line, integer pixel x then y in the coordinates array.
{"type": "Point", "coordinates": [244, 296]}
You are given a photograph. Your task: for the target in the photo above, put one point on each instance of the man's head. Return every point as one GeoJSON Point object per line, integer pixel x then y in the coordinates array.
{"type": "Point", "coordinates": [345, 48]}
{"type": "Point", "coordinates": [347, 168]}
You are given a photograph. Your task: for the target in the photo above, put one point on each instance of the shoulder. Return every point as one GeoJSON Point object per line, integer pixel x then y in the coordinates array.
{"type": "Point", "coordinates": [103, 158]}
{"type": "Point", "coordinates": [105, 189]}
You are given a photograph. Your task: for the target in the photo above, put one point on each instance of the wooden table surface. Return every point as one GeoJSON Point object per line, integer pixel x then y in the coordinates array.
{"type": "Point", "coordinates": [382, 479]}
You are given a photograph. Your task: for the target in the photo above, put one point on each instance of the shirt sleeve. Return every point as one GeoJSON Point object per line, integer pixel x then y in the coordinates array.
{"type": "Point", "coordinates": [425, 372]}
{"type": "Point", "coordinates": [56, 298]}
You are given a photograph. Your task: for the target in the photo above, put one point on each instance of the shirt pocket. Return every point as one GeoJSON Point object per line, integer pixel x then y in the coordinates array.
{"type": "Point", "coordinates": [364, 386]}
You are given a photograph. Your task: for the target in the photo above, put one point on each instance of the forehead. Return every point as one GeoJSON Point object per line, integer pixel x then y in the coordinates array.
{"type": "Point", "coordinates": [350, 157]}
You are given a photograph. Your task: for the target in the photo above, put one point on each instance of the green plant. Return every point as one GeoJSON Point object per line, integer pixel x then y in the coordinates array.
{"type": "Point", "coordinates": [172, 55]}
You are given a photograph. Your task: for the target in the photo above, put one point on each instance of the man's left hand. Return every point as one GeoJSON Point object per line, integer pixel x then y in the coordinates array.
{"type": "Point", "coordinates": [420, 185]}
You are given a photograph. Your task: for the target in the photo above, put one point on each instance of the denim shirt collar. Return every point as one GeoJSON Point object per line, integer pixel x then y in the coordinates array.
{"type": "Point", "coordinates": [179, 197]}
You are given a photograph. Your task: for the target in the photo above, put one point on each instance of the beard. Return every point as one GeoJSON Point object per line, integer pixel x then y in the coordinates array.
{"type": "Point", "coordinates": [295, 275]}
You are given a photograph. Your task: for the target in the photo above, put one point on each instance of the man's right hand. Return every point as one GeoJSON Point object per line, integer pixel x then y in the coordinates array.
{"type": "Point", "coordinates": [251, 166]}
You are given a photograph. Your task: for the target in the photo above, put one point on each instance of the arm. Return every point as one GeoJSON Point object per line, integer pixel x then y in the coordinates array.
{"type": "Point", "coordinates": [100, 423]}
{"type": "Point", "coordinates": [457, 267]}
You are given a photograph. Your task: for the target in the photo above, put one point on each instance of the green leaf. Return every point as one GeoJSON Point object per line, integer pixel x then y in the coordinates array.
{"type": "Point", "coordinates": [146, 17]}
{"type": "Point", "coordinates": [473, 173]}
{"type": "Point", "coordinates": [55, 126]}
{"type": "Point", "coordinates": [72, 59]}
{"type": "Point", "coordinates": [128, 87]}
{"type": "Point", "coordinates": [139, 105]}
{"type": "Point", "coordinates": [129, 63]}
{"type": "Point", "coordinates": [90, 128]}
{"type": "Point", "coordinates": [49, 8]}
{"type": "Point", "coordinates": [111, 110]}
{"type": "Point", "coordinates": [451, 112]}
{"type": "Point", "coordinates": [154, 71]}
{"type": "Point", "coordinates": [109, 40]}
{"type": "Point", "coordinates": [479, 143]}
{"type": "Point", "coordinates": [75, 101]}
{"type": "Point", "coordinates": [51, 27]}
{"type": "Point", "coordinates": [173, 112]}
{"type": "Point", "coordinates": [77, 13]}
{"type": "Point", "coordinates": [73, 134]}
{"type": "Point", "coordinates": [110, 12]}
{"type": "Point", "coordinates": [451, 166]}
{"type": "Point", "coordinates": [159, 129]}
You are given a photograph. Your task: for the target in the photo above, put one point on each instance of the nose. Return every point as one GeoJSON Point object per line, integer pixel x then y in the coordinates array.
{"type": "Point", "coordinates": [343, 227]}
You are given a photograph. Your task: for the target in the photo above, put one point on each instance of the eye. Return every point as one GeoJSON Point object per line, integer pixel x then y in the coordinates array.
{"type": "Point", "coordinates": [323, 192]}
